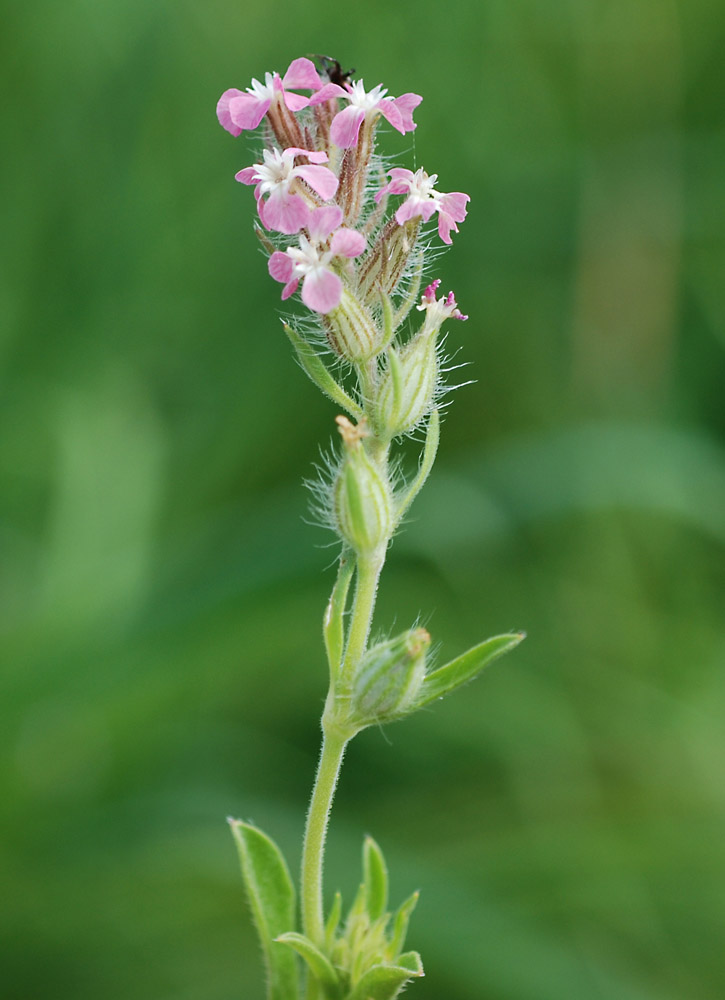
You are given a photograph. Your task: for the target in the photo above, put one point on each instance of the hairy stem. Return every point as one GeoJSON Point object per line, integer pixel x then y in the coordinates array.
{"type": "Point", "coordinates": [328, 771]}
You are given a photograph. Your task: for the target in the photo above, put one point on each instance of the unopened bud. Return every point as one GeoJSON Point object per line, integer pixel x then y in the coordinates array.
{"type": "Point", "coordinates": [387, 260]}
{"type": "Point", "coordinates": [407, 386]}
{"type": "Point", "coordinates": [362, 501]}
{"type": "Point", "coordinates": [351, 330]}
{"type": "Point", "coordinates": [389, 677]}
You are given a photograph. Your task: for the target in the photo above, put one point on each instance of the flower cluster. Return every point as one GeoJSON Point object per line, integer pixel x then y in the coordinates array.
{"type": "Point", "coordinates": [320, 181]}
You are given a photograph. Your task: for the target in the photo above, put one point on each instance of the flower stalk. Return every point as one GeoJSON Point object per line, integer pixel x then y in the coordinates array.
{"type": "Point", "coordinates": [322, 198]}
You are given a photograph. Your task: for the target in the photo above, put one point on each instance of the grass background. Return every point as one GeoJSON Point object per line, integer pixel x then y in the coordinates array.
{"type": "Point", "coordinates": [160, 594]}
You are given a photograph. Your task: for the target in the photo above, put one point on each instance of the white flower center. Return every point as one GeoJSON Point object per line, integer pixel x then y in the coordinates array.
{"type": "Point", "coordinates": [262, 91]}
{"type": "Point", "coordinates": [276, 170]}
{"type": "Point", "coordinates": [307, 258]}
{"type": "Point", "coordinates": [422, 186]}
{"type": "Point", "coordinates": [360, 99]}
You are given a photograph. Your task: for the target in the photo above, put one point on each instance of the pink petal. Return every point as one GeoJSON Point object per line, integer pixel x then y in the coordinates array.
{"type": "Point", "coordinates": [345, 127]}
{"type": "Point", "coordinates": [246, 176]}
{"type": "Point", "coordinates": [445, 224]}
{"type": "Point", "coordinates": [301, 75]}
{"type": "Point", "coordinates": [402, 174]}
{"type": "Point", "coordinates": [329, 91]}
{"type": "Point", "coordinates": [406, 104]}
{"type": "Point", "coordinates": [323, 221]}
{"type": "Point", "coordinates": [348, 243]}
{"type": "Point", "coordinates": [454, 204]}
{"type": "Point", "coordinates": [290, 288]}
{"type": "Point", "coordinates": [312, 156]}
{"type": "Point", "coordinates": [321, 290]}
{"type": "Point", "coordinates": [388, 110]}
{"type": "Point", "coordinates": [295, 102]}
{"type": "Point", "coordinates": [246, 111]}
{"type": "Point", "coordinates": [320, 179]}
{"type": "Point", "coordinates": [408, 210]}
{"type": "Point", "coordinates": [284, 212]}
{"type": "Point", "coordinates": [280, 266]}
{"type": "Point", "coordinates": [222, 111]}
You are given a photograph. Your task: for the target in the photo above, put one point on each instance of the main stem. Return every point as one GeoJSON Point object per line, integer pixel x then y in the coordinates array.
{"type": "Point", "coordinates": [335, 739]}
{"type": "Point", "coordinates": [328, 771]}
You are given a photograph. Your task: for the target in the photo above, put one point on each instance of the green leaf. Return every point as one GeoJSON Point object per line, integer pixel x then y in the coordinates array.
{"type": "Point", "coordinates": [430, 449]}
{"type": "Point", "coordinates": [375, 878]}
{"type": "Point", "coordinates": [333, 921]}
{"type": "Point", "coordinates": [272, 901]}
{"type": "Point", "coordinates": [400, 925]}
{"type": "Point", "coordinates": [383, 982]}
{"type": "Point", "coordinates": [319, 965]}
{"type": "Point", "coordinates": [465, 667]}
{"type": "Point", "coordinates": [412, 960]}
{"type": "Point", "coordinates": [333, 625]}
{"type": "Point", "coordinates": [389, 325]}
{"type": "Point", "coordinates": [315, 368]}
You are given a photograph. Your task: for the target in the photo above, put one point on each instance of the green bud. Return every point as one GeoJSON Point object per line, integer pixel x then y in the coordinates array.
{"type": "Point", "coordinates": [351, 330]}
{"type": "Point", "coordinates": [362, 502]}
{"type": "Point", "coordinates": [389, 677]}
{"type": "Point", "coordinates": [407, 386]}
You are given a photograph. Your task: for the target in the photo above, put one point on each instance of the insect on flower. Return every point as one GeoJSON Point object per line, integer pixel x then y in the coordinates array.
{"type": "Point", "coordinates": [332, 70]}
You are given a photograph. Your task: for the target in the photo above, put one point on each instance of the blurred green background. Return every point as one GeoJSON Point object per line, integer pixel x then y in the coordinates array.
{"type": "Point", "coordinates": [161, 595]}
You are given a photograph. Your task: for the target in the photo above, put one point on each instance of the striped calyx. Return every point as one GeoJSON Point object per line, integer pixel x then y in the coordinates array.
{"type": "Point", "coordinates": [389, 678]}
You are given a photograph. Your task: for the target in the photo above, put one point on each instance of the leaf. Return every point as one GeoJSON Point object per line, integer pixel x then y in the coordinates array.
{"type": "Point", "coordinates": [375, 878]}
{"type": "Point", "coordinates": [316, 369]}
{"type": "Point", "coordinates": [333, 921]}
{"type": "Point", "coordinates": [383, 982]}
{"type": "Point", "coordinates": [272, 901]}
{"type": "Point", "coordinates": [400, 925]}
{"type": "Point", "coordinates": [319, 965]}
{"type": "Point", "coordinates": [333, 624]}
{"type": "Point", "coordinates": [432, 437]}
{"type": "Point", "coordinates": [465, 667]}
{"type": "Point", "coordinates": [411, 960]}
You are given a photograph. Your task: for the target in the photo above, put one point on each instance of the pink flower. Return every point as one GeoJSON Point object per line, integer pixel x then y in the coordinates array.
{"type": "Point", "coordinates": [238, 111]}
{"type": "Point", "coordinates": [346, 124]}
{"type": "Point", "coordinates": [310, 261]}
{"type": "Point", "coordinates": [283, 210]}
{"type": "Point", "coordinates": [438, 310]}
{"type": "Point", "coordinates": [424, 200]}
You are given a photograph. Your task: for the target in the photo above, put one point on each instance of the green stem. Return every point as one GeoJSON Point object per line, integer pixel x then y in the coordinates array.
{"type": "Point", "coordinates": [335, 739]}
{"type": "Point", "coordinates": [366, 587]}
{"type": "Point", "coordinates": [313, 852]}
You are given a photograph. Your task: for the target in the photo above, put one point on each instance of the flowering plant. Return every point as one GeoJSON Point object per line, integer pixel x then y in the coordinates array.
{"type": "Point", "coordinates": [322, 198]}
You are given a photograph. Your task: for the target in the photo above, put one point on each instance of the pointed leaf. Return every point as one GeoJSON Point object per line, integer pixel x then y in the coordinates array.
{"type": "Point", "coordinates": [382, 982]}
{"type": "Point", "coordinates": [272, 901]}
{"type": "Point", "coordinates": [412, 960]}
{"type": "Point", "coordinates": [333, 625]}
{"type": "Point", "coordinates": [389, 325]}
{"type": "Point", "coordinates": [465, 667]}
{"type": "Point", "coordinates": [375, 877]}
{"type": "Point", "coordinates": [316, 369]}
{"type": "Point", "coordinates": [400, 926]}
{"type": "Point", "coordinates": [319, 965]}
{"type": "Point", "coordinates": [333, 921]}
{"type": "Point", "coordinates": [432, 437]}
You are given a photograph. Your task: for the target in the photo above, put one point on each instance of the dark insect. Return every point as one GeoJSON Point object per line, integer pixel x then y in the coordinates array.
{"type": "Point", "coordinates": [332, 70]}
